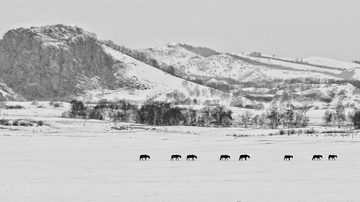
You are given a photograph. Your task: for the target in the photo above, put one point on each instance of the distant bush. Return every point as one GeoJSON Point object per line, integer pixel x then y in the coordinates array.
{"type": "Point", "coordinates": [54, 104]}
{"type": "Point", "coordinates": [40, 123]}
{"type": "Point", "coordinates": [34, 102]}
{"type": "Point", "coordinates": [259, 98]}
{"type": "Point", "coordinates": [356, 120]}
{"type": "Point", "coordinates": [335, 131]}
{"type": "Point", "coordinates": [65, 114]}
{"type": "Point", "coordinates": [23, 122]}
{"type": "Point", "coordinates": [258, 106]}
{"type": "Point", "coordinates": [14, 107]}
{"type": "Point", "coordinates": [310, 131]}
{"type": "Point", "coordinates": [2, 121]}
{"type": "Point", "coordinates": [325, 99]}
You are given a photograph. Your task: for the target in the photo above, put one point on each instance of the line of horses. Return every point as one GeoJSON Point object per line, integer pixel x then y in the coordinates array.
{"type": "Point", "coordinates": [242, 157]}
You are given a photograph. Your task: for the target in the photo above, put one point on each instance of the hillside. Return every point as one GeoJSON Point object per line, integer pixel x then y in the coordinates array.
{"type": "Point", "coordinates": [189, 61]}
{"type": "Point", "coordinates": [269, 78]}
{"type": "Point", "coordinates": [65, 62]}
{"type": "Point", "coordinates": [330, 62]}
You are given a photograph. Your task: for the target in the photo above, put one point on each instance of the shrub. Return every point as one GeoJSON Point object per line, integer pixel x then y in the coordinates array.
{"type": "Point", "coordinates": [40, 123]}
{"type": "Point", "coordinates": [282, 132]}
{"type": "Point", "coordinates": [356, 120]}
{"type": "Point", "coordinates": [14, 107]}
{"type": "Point", "coordinates": [310, 131]}
{"type": "Point", "coordinates": [65, 114]}
{"type": "Point", "coordinates": [25, 123]}
{"type": "Point", "coordinates": [35, 102]}
{"type": "Point", "coordinates": [22, 122]}
{"type": "Point", "coordinates": [7, 122]}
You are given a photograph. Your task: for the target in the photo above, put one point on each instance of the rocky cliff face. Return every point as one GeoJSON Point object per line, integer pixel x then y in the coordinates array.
{"type": "Point", "coordinates": [54, 61]}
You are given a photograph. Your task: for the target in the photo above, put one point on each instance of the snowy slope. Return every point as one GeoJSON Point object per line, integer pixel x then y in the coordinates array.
{"type": "Point", "coordinates": [301, 67]}
{"type": "Point", "coordinates": [188, 63]}
{"type": "Point", "coordinates": [330, 62]}
{"type": "Point", "coordinates": [144, 81]}
{"type": "Point", "coordinates": [235, 66]}
{"type": "Point", "coordinates": [353, 73]}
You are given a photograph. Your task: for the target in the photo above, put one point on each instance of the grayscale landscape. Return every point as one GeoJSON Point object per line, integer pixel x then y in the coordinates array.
{"type": "Point", "coordinates": [84, 117]}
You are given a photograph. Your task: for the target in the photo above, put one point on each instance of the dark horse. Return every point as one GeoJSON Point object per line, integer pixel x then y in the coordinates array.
{"type": "Point", "coordinates": [317, 157]}
{"type": "Point", "coordinates": [288, 157]}
{"type": "Point", "coordinates": [243, 156]}
{"type": "Point", "coordinates": [175, 157]}
{"type": "Point", "coordinates": [332, 157]}
{"type": "Point", "coordinates": [224, 157]}
{"type": "Point", "coordinates": [191, 157]}
{"type": "Point", "coordinates": [143, 157]}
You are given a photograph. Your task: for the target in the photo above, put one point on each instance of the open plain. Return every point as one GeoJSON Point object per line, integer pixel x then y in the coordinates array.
{"type": "Point", "coordinates": [83, 160]}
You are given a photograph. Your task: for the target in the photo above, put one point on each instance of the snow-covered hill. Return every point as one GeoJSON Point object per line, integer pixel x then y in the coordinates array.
{"type": "Point", "coordinates": [142, 81]}
{"type": "Point", "coordinates": [239, 67]}
{"type": "Point", "coordinates": [296, 66]}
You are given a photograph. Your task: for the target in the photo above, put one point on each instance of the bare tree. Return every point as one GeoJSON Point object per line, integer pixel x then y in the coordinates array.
{"type": "Point", "coordinates": [246, 118]}
{"type": "Point", "coordinates": [339, 115]}
{"type": "Point", "coordinates": [328, 117]}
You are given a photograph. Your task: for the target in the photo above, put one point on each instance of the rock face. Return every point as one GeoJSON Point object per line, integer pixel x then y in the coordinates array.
{"type": "Point", "coordinates": [54, 61]}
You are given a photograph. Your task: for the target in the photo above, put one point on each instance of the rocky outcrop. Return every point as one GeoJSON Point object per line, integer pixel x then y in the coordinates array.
{"type": "Point", "coordinates": [54, 62]}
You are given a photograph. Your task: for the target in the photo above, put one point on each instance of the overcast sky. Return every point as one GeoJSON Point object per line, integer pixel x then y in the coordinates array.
{"type": "Point", "coordinates": [287, 28]}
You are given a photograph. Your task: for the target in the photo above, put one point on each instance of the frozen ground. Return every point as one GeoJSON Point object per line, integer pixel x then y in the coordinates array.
{"type": "Point", "coordinates": [103, 166]}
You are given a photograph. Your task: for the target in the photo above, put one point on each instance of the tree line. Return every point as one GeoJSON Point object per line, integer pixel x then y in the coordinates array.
{"type": "Point", "coordinates": [276, 117]}
{"type": "Point", "coordinates": [167, 114]}
{"type": "Point", "coordinates": [338, 117]}
{"type": "Point", "coordinates": [152, 113]}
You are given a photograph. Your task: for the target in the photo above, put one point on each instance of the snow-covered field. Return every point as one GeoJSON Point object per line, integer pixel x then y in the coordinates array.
{"type": "Point", "coordinates": [85, 160]}
{"type": "Point", "coordinates": [104, 166]}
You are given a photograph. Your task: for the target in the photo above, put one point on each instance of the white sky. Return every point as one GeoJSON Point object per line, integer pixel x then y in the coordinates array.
{"type": "Point", "coordinates": [287, 28]}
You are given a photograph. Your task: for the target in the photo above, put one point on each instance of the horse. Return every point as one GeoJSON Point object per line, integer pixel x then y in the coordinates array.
{"type": "Point", "coordinates": [332, 157]}
{"type": "Point", "coordinates": [243, 156]}
{"type": "Point", "coordinates": [191, 157]}
{"type": "Point", "coordinates": [317, 157]}
{"type": "Point", "coordinates": [288, 157]}
{"type": "Point", "coordinates": [175, 157]}
{"type": "Point", "coordinates": [224, 157]}
{"type": "Point", "coordinates": [144, 157]}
